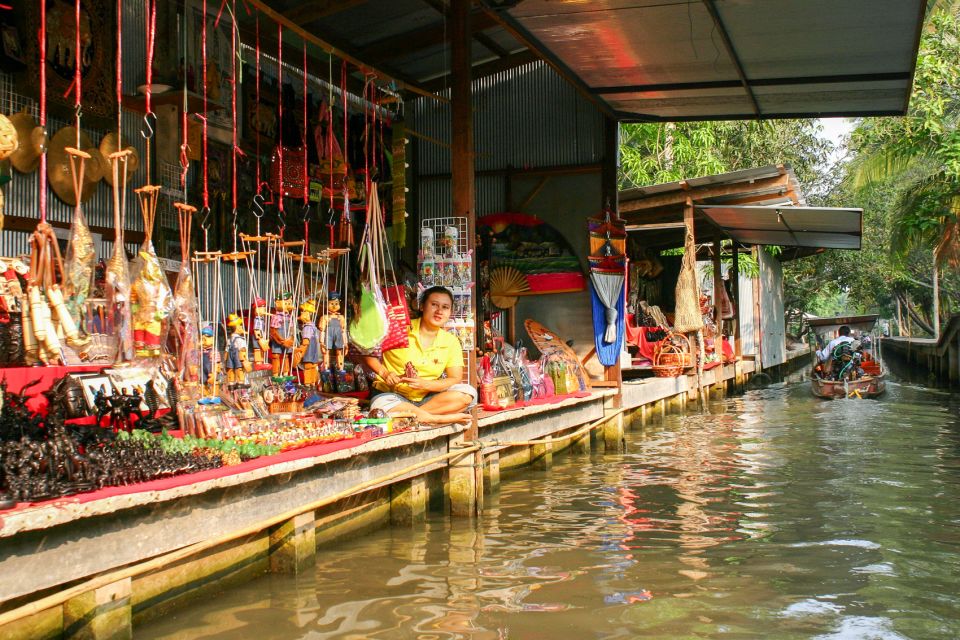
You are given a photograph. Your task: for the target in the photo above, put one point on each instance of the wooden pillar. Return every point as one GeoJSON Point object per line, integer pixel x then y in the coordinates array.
{"type": "Point", "coordinates": [541, 455]}
{"type": "Point", "coordinates": [717, 286]}
{"type": "Point", "coordinates": [100, 613]}
{"type": "Point", "coordinates": [462, 177]}
{"type": "Point", "coordinates": [936, 298]}
{"type": "Point", "coordinates": [491, 471]}
{"type": "Point", "coordinates": [293, 544]}
{"type": "Point", "coordinates": [408, 501]}
{"type": "Point", "coordinates": [466, 489]}
{"type": "Point", "coordinates": [610, 194]}
{"type": "Point", "coordinates": [735, 281]}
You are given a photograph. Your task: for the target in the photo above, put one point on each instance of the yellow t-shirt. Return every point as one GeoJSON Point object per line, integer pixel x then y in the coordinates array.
{"type": "Point", "coordinates": [445, 352]}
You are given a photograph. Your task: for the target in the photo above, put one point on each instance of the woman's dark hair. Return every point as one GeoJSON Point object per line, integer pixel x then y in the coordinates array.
{"type": "Point", "coordinates": [432, 290]}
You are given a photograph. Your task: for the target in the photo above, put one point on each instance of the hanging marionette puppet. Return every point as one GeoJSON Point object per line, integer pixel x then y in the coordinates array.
{"type": "Point", "coordinates": [308, 354]}
{"type": "Point", "coordinates": [333, 331]}
{"type": "Point", "coordinates": [209, 356]}
{"type": "Point", "coordinates": [261, 344]}
{"type": "Point", "coordinates": [281, 338]}
{"type": "Point", "coordinates": [236, 362]}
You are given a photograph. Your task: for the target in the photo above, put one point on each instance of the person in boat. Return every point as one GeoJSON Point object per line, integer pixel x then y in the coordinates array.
{"type": "Point", "coordinates": [426, 377]}
{"type": "Point", "coordinates": [825, 355]}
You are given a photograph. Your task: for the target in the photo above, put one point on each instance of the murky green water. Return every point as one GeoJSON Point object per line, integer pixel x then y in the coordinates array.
{"type": "Point", "coordinates": [778, 516]}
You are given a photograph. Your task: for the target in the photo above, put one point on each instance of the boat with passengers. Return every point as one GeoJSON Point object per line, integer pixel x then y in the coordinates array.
{"type": "Point", "coordinates": [849, 368]}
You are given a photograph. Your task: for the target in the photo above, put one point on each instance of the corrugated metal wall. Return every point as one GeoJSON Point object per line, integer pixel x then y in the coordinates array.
{"type": "Point", "coordinates": [773, 332]}
{"type": "Point", "coordinates": [528, 117]}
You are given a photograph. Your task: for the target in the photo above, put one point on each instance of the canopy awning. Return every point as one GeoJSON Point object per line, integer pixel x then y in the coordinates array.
{"type": "Point", "coordinates": [811, 227]}
{"type": "Point", "coordinates": [825, 326]}
{"type": "Point", "coordinates": [657, 60]}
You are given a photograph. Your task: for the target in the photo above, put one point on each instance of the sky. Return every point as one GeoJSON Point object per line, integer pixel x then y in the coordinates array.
{"type": "Point", "coordinates": [836, 130]}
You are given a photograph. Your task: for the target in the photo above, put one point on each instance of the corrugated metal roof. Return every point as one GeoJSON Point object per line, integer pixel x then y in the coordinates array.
{"type": "Point", "coordinates": [813, 227]}
{"type": "Point", "coordinates": [744, 177]}
{"type": "Point", "coordinates": [651, 59]}
{"type": "Point", "coordinates": [686, 60]}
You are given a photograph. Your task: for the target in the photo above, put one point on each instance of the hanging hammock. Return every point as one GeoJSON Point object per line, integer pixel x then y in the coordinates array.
{"type": "Point", "coordinates": [607, 276]}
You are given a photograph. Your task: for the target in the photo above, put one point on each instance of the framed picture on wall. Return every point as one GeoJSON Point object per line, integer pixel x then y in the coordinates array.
{"type": "Point", "coordinates": [11, 43]}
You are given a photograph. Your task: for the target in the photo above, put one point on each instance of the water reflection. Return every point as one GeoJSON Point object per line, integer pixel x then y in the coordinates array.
{"type": "Point", "coordinates": [776, 515]}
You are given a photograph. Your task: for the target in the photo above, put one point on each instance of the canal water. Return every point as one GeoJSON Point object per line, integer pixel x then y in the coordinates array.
{"type": "Point", "coordinates": [775, 516]}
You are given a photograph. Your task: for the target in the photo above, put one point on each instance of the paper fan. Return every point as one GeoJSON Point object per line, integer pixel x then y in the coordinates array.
{"type": "Point", "coordinates": [506, 283]}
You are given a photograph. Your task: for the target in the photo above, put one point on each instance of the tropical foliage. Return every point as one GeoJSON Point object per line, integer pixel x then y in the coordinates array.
{"type": "Point", "coordinates": [904, 172]}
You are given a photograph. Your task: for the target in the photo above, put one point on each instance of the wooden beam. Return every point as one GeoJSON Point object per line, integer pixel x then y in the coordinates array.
{"type": "Point", "coordinates": [404, 44]}
{"type": "Point", "coordinates": [307, 12]}
{"type": "Point", "coordinates": [485, 69]}
{"type": "Point", "coordinates": [441, 7]}
{"type": "Point", "coordinates": [462, 158]}
{"type": "Point", "coordinates": [700, 193]}
{"type": "Point", "coordinates": [341, 52]}
{"type": "Point", "coordinates": [732, 52]}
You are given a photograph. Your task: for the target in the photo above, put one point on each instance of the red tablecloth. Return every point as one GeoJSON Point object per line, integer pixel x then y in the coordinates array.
{"type": "Point", "coordinates": [193, 478]}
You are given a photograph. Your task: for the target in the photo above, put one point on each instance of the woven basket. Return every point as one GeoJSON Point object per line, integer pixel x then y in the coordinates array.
{"type": "Point", "coordinates": [672, 355]}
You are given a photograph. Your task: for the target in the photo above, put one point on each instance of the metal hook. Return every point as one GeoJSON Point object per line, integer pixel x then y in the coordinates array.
{"type": "Point", "coordinates": [78, 111]}
{"type": "Point", "coordinates": [149, 125]}
{"type": "Point", "coordinates": [258, 202]}
{"type": "Point", "coordinates": [205, 218]}
{"type": "Point", "coordinates": [305, 213]}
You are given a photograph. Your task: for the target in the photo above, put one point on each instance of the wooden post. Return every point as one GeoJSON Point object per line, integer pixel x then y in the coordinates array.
{"type": "Point", "coordinates": [936, 297]}
{"type": "Point", "coordinates": [610, 193]}
{"type": "Point", "coordinates": [462, 154]}
{"type": "Point", "coordinates": [688, 223]}
{"type": "Point", "coordinates": [717, 286]}
{"type": "Point", "coordinates": [735, 281]}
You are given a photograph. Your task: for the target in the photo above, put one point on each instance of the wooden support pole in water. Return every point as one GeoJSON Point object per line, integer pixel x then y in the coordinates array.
{"type": "Point", "coordinates": [100, 613]}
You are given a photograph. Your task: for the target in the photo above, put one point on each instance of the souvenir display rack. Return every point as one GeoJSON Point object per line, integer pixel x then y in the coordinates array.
{"type": "Point", "coordinates": [445, 260]}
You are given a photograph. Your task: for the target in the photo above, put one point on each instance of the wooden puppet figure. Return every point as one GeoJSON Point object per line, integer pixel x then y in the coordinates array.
{"type": "Point", "coordinates": [236, 362]}
{"type": "Point", "coordinates": [308, 353]}
{"type": "Point", "coordinates": [281, 336]}
{"type": "Point", "coordinates": [261, 343]}
{"type": "Point", "coordinates": [333, 333]}
{"type": "Point", "coordinates": [209, 356]}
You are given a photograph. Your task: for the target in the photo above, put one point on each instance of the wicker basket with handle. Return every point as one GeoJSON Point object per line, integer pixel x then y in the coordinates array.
{"type": "Point", "coordinates": [672, 355]}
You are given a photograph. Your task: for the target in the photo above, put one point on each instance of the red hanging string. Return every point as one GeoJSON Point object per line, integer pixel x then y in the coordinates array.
{"type": "Point", "coordinates": [280, 111]}
{"type": "Point", "coordinates": [233, 105]}
{"type": "Point", "coordinates": [206, 159]}
{"type": "Point", "coordinates": [43, 108]}
{"type": "Point", "coordinates": [306, 120]}
{"type": "Point", "coordinates": [256, 100]}
{"type": "Point", "coordinates": [119, 70]}
{"type": "Point", "coordinates": [78, 72]}
{"type": "Point", "coordinates": [151, 39]}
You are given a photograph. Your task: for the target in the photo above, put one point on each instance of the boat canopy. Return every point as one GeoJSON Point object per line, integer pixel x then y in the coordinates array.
{"type": "Point", "coordinates": [827, 326]}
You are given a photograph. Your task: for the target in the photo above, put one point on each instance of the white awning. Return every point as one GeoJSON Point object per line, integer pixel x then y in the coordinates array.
{"type": "Point", "coordinates": [815, 227]}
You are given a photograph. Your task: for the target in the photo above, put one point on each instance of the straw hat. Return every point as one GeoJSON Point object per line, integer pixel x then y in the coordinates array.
{"type": "Point", "coordinates": [32, 141]}
{"type": "Point", "coordinates": [234, 321]}
{"type": "Point", "coordinates": [9, 140]}
{"type": "Point", "coordinates": [58, 165]}
{"type": "Point", "coordinates": [108, 145]}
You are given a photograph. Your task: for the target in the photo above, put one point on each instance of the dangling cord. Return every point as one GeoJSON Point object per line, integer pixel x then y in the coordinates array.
{"type": "Point", "coordinates": [280, 112]}
{"type": "Point", "coordinates": [233, 117]}
{"type": "Point", "coordinates": [149, 118]}
{"type": "Point", "coordinates": [184, 125]}
{"type": "Point", "coordinates": [206, 157]}
{"type": "Point", "coordinates": [43, 108]}
{"type": "Point", "coordinates": [78, 71]}
{"type": "Point", "coordinates": [256, 102]}
{"type": "Point", "coordinates": [306, 122]}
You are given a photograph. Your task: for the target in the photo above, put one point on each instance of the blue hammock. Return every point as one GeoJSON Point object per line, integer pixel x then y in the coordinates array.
{"type": "Point", "coordinates": [607, 352]}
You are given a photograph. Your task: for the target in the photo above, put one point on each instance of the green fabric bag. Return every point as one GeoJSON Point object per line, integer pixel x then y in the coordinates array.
{"type": "Point", "coordinates": [368, 329]}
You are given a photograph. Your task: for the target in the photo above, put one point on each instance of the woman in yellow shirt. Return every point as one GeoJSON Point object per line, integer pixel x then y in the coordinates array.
{"type": "Point", "coordinates": [432, 386]}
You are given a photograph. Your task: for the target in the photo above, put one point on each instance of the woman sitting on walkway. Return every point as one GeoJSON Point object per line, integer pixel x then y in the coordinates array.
{"type": "Point", "coordinates": [426, 377]}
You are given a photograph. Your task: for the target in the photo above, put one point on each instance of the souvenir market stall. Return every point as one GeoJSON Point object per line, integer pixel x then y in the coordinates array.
{"type": "Point", "coordinates": [263, 193]}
